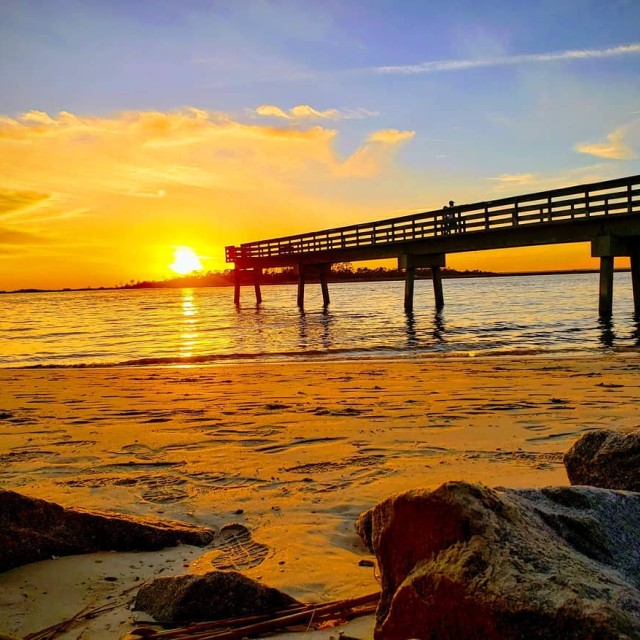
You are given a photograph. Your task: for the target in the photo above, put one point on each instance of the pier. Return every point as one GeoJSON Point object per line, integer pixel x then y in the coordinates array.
{"type": "Point", "coordinates": [605, 214]}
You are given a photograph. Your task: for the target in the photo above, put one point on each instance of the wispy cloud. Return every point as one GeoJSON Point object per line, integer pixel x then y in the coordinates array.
{"type": "Point", "coordinates": [16, 237]}
{"type": "Point", "coordinates": [514, 183]}
{"type": "Point", "coordinates": [306, 112]}
{"type": "Point", "coordinates": [12, 200]}
{"type": "Point", "coordinates": [514, 179]}
{"type": "Point", "coordinates": [617, 145]}
{"type": "Point", "coordinates": [377, 150]}
{"type": "Point", "coordinates": [532, 58]}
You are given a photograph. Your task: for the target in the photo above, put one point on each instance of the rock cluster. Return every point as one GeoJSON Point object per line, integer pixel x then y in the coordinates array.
{"type": "Point", "coordinates": [466, 561]}
{"type": "Point", "coordinates": [32, 529]}
{"type": "Point", "coordinates": [212, 596]}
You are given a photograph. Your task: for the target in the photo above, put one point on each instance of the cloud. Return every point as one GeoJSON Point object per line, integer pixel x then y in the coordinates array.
{"type": "Point", "coordinates": [306, 112]}
{"type": "Point", "coordinates": [531, 182]}
{"type": "Point", "coordinates": [12, 201]}
{"type": "Point", "coordinates": [16, 237]}
{"type": "Point", "coordinates": [391, 136]}
{"type": "Point", "coordinates": [378, 150]}
{"type": "Point", "coordinates": [617, 145]}
{"type": "Point", "coordinates": [104, 191]}
{"type": "Point", "coordinates": [519, 179]}
{"type": "Point", "coordinates": [533, 58]}
{"type": "Point", "coordinates": [271, 111]}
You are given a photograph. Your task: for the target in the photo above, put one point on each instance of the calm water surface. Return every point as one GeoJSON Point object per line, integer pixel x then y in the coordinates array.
{"type": "Point", "coordinates": [506, 315]}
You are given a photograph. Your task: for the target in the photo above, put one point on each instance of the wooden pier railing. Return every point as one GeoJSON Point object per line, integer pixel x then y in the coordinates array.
{"type": "Point", "coordinates": [607, 214]}
{"type": "Point", "coordinates": [608, 198]}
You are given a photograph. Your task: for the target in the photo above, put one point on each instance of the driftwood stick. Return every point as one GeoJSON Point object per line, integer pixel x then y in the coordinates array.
{"type": "Point", "coordinates": [239, 627]}
{"type": "Point", "coordinates": [169, 634]}
{"type": "Point", "coordinates": [278, 623]}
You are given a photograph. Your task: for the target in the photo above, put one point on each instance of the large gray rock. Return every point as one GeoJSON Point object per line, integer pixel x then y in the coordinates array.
{"type": "Point", "coordinates": [466, 561]}
{"type": "Point", "coordinates": [605, 458]}
{"type": "Point", "coordinates": [213, 596]}
{"type": "Point", "coordinates": [32, 529]}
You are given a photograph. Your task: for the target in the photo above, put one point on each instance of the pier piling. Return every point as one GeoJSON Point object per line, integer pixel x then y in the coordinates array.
{"type": "Point", "coordinates": [605, 306]}
{"type": "Point", "coordinates": [635, 279]}
{"type": "Point", "coordinates": [437, 287]}
{"type": "Point", "coordinates": [301, 281]}
{"type": "Point", "coordinates": [325, 287]}
{"type": "Point", "coordinates": [409, 280]}
{"type": "Point", "coordinates": [257, 272]}
{"type": "Point", "coordinates": [236, 287]}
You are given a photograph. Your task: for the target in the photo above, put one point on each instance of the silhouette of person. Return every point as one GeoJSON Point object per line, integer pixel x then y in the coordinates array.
{"type": "Point", "coordinates": [449, 218]}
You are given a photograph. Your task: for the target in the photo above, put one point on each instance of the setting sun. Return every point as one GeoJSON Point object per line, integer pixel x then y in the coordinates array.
{"type": "Point", "coordinates": [185, 261]}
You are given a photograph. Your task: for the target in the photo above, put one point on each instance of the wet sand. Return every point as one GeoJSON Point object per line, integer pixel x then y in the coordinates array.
{"type": "Point", "coordinates": [293, 451]}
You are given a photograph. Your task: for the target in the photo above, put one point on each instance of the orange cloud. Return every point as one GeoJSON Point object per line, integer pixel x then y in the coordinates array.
{"type": "Point", "coordinates": [110, 196]}
{"type": "Point", "coordinates": [617, 145]}
{"type": "Point", "coordinates": [306, 112]}
{"type": "Point", "coordinates": [391, 136]}
{"type": "Point", "coordinates": [377, 151]}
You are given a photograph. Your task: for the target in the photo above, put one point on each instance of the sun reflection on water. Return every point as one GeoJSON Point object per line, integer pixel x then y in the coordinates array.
{"type": "Point", "coordinates": [189, 333]}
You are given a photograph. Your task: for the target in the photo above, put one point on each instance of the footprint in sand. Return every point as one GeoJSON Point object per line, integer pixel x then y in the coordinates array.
{"type": "Point", "coordinates": [236, 549]}
{"type": "Point", "coordinates": [165, 489]}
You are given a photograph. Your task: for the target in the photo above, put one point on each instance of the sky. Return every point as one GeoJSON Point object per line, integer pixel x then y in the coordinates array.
{"type": "Point", "coordinates": [128, 129]}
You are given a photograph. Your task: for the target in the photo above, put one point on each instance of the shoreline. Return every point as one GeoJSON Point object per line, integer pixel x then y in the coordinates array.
{"type": "Point", "coordinates": [338, 356]}
{"type": "Point", "coordinates": [294, 451]}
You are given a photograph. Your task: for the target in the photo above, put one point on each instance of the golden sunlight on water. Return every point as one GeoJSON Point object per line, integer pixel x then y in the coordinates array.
{"type": "Point", "coordinates": [189, 334]}
{"type": "Point", "coordinates": [481, 316]}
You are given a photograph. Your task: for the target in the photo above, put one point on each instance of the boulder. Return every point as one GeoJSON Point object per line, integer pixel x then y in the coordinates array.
{"type": "Point", "coordinates": [213, 596]}
{"type": "Point", "coordinates": [605, 458]}
{"type": "Point", "coordinates": [32, 529]}
{"type": "Point", "coordinates": [466, 561]}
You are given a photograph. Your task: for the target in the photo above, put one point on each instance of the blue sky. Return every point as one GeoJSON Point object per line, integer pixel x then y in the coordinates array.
{"type": "Point", "coordinates": [485, 97]}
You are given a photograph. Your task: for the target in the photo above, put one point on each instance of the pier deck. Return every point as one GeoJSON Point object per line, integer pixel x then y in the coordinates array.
{"type": "Point", "coordinates": [606, 214]}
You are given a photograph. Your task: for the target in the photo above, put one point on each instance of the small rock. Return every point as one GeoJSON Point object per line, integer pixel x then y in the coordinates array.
{"type": "Point", "coordinates": [32, 529]}
{"type": "Point", "coordinates": [606, 459]}
{"type": "Point", "coordinates": [212, 596]}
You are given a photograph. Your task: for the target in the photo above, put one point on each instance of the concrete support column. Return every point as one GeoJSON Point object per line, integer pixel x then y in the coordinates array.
{"type": "Point", "coordinates": [301, 279]}
{"type": "Point", "coordinates": [409, 280]}
{"type": "Point", "coordinates": [409, 262]}
{"type": "Point", "coordinates": [257, 272]}
{"type": "Point", "coordinates": [605, 307]}
{"type": "Point", "coordinates": [325, 287]}
{"type": "Point", "coordinates": [236, 286]}
{"type": "Point", "coordinates": [635, 279]}
{"type": "Point", "coordinates": [437, 287]}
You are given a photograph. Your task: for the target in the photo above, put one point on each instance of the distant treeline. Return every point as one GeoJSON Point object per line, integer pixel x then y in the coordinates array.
{"type": "Point", "coordinates": [339, 273]}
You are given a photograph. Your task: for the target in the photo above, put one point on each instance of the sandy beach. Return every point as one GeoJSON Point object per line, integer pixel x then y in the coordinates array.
{"type": "Point", "coordinates": [294, 451]}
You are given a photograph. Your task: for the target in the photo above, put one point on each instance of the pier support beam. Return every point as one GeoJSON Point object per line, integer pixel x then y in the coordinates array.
{"type": "Point", "coordinates": [409, 280]}
{"type": "Point", "coordinates": [635, 279]}
{"type": "Point", "coordinates": [257, 272]}
{"type": "Point", "coordinates": [319, 270]}
{"type": "Point", "coordinates": [605, 306]}
{"type": "Point", "coordinates": [237, 283]}
{"type": "Point", "coordinates": [410, 262]}
{"type": "Point", "coordinates": [607, 248]}
{"type": "Point", "coordinates": [236, 287]}
{"type": "Point", "coordinates": [325, 287]}
{"type": "Point", "coordinates": [301, 281]}
{"type": "Point", "coordinates": [437, 287]}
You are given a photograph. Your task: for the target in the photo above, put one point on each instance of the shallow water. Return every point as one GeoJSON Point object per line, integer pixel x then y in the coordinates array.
{"type": "Point", "coordinates": [503, 315]}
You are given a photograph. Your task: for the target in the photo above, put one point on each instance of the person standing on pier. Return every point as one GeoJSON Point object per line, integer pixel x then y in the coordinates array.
{"type": "Point", "coordinates": [449, 218]}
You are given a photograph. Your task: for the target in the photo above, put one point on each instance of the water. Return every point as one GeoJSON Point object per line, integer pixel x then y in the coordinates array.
{"type": "Point", "coordinates": [488, 316]}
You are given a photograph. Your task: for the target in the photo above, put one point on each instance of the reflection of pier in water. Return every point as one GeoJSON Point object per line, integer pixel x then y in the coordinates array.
{"type": "Point", "coordinates": [605, 214]}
